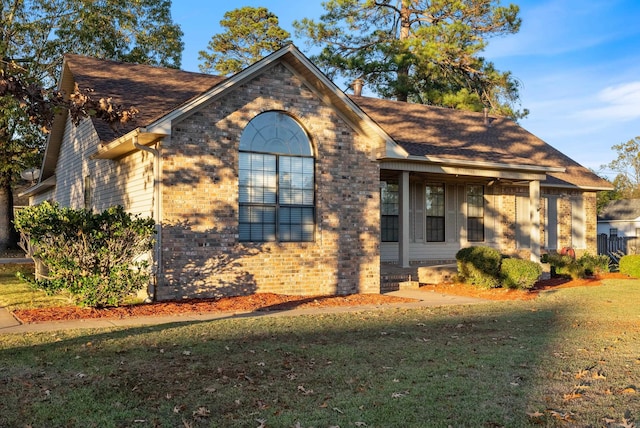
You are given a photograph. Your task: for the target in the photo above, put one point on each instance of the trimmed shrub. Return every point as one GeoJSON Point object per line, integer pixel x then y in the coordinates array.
{"type": "Point", "coordinates": [520, 274]}
{"type": "Point", "coordinates": [566, 265]}
{"type": "Point", "coordinates": [582, 267]}
{"type": "Point", "coordinates": [594, 265]}
{"type": "Point", "coordinates": [630, 265]}
{"type": "Point", "coordinates": [479, 266]}
{"type": "Point", "coordinates": [96, 257]}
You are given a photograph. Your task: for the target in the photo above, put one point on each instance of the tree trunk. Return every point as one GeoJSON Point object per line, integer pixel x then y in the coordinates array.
{"type": "Point", "coordinates": [402, 91]}
{"type": "Point", "coordinates": [8, 233]}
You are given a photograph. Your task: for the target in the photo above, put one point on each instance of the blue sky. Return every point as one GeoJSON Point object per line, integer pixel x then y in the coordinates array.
{"type": "Point", "coordinates": [578, 63]}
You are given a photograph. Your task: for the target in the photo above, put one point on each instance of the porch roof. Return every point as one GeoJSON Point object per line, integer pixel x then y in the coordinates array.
{"type": "Point", "coordinates": [439, 135]}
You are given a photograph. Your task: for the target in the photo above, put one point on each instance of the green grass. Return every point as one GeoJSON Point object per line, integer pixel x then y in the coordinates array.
{"type": "Point", "coordinates": [17, 294]}
{"type": "Point", "coordinates": [569, 358]}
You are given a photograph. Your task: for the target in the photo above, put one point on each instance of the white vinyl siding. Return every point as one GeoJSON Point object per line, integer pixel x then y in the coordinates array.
{"type": "Point", "coordinates": [127, 181]}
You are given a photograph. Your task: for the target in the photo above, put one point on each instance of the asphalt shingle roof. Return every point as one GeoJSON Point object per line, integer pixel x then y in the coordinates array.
{"type": "Point", "coordinates": [623, 209]}
{"type": "Point", "coordinates": [154, 91]}
{"type": "Point", "coordinates": [420, 129]}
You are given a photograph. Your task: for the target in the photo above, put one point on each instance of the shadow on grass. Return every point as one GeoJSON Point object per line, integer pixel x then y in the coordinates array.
{"type": "Point", "coordinates": [460, 366]}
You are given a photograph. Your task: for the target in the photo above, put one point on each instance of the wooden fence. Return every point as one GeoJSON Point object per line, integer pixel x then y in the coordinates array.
{"type": "Point", "coordinates": [616, 247]}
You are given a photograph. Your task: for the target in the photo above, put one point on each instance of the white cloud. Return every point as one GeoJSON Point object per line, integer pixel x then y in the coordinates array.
{"type": "Point", "coordinates": [619, 103]}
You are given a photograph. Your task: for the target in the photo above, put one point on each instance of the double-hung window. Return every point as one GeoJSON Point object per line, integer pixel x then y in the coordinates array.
{"type": "Point", "coordinates": [475, 213]}
{"type": "Point", "coordinates": [276, 181]}
{"type": "Point", "coordinates": [435, 212]}
{"type": "Point", "coordinates": [389, 209]}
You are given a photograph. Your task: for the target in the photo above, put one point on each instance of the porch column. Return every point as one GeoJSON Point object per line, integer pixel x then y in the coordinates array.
{"type": "Point", "coordinates": [534, 211]}
{"type": "Point", "coordinates": [403, 219]}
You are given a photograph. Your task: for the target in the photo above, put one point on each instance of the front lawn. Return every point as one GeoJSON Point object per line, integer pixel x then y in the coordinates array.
{"type": "Point", "coordinates": [17, 294]}
{"type": "Point", "coordinates": [568, 358]}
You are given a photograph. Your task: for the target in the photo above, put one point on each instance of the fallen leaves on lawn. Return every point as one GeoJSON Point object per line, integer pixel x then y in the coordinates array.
{"type": "Point", "coordinates": [259, 302]}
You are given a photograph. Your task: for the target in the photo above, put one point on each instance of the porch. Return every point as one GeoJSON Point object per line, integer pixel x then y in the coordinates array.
{"type": "Point", "coordinates": [394, 277]}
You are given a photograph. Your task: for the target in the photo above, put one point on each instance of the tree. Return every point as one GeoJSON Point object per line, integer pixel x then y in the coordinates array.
{"type": "Point", "coordinates": [627, 165]}
{"type": "Point", "coordinates": [603, 197]}
{"type": "Point", "coordinates": [425, 51]}
{"type": "Point", "coordinates": [251, 33]}
{"type": "Point", "coordinates": [33, 36]}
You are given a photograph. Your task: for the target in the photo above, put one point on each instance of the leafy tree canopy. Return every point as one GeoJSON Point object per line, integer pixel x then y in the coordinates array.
{"type": "Point", "coordinates": [34, 34]}
{"type": "Point", "coordinates": [627, 165]}
{"type": "Point", "coordinates": [425, 51]}
{"type": "Point", "coordinates": [251, 33]}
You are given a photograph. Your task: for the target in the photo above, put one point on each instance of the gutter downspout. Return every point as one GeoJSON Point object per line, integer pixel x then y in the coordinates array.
{"type": "Point", "coordinates": [157, 262]}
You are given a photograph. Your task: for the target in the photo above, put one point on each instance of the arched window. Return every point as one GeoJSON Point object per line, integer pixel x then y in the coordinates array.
{"type": "Point", "coordinates": [276, 181]}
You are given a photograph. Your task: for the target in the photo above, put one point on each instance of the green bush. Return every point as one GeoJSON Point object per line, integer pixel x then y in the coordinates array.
{"type": "Point", "coordinates": [565, 265]}
{"type": "Point", "coordinates": [519, 274]}
{"type": "Point", "coordinates": [479, 266]}
{"type": "Point", "coordinates": [630, 265]}
{"type": "Point", "coordinates": [579, 268]}
{"type": "Point", "coordinates": [594, 265]}
{"type": "Point", "coordinates": [96, 257]}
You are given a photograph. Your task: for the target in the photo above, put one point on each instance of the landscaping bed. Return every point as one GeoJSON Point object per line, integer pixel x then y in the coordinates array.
{"type": "Point", "coordinates": [273, 302]}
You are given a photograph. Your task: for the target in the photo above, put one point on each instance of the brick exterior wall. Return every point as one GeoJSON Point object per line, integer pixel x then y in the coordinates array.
{"type": "Point", "coordinates": [201, 255]}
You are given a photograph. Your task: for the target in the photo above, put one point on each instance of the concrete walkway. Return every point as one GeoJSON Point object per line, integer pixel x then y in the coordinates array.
{"type": "Point", "coordinates": [8, 324]}
{"type": "Point", "coordinates": [16, 260]}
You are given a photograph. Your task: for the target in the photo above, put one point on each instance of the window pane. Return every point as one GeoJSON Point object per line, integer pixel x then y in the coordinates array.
{"type": "Point", "coordinates": [435, 229]}
{"type": "Point", "coordinates": [389, 200]}
{"type": "Point", "coordinates": [435, 200]}
{"type": "Point", "coordinates": [256, 223]}
{"type": "Point", "coordinates": [389, 228]}
{"type": "Point", "coordinates": [244, 232]}
{"type": "Point", "coordinates": [475, 230]}
{"type": "Point", "coordinates": [296, 186]}
{"type": "Point", "coordinates": [296, 224]}
{"type": "Point", "coordinates": [307, 197]}
{"type": "Point", "coordinates": [275, 132]}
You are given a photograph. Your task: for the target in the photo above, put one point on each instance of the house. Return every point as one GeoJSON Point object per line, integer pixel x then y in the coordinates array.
{"type": "Point", "coordinates": [620, 219]}
{"type": "Point", "coordinates": [274, 180]}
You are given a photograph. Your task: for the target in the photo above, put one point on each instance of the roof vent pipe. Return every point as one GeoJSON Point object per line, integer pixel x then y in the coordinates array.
{"type": "Point", "coordinates": [357, 87]}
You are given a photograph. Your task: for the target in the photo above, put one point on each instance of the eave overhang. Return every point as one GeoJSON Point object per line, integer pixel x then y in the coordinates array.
{"type": "Point", "coordinates": [126, 144]}
{"type": "Point", "coordinates": [460, 167]}
{"type": "Point", "coordinates": [41, 187]}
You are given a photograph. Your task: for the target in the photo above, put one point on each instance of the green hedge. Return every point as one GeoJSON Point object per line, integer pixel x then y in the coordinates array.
{"type": "Point", "coordinates": [479, 266]}
{"type": "Point", "coordinates": [520, 274]}
{"type": "Point", "coordinates": [630, 265]}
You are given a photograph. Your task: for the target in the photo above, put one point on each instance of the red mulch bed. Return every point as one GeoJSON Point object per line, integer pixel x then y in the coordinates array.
{"type": "Point", "coordinates": [270, 301]}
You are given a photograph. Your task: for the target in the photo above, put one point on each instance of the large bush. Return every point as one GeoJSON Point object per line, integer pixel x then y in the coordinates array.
{"type": "Point", "coordinates": [630, 265]}
{"type": "Point", "coordinates": [96, 257]}
{"type": "Point", "coordinates": [520, 274]}
{"type": "Point", "coordinates": [479, 266]}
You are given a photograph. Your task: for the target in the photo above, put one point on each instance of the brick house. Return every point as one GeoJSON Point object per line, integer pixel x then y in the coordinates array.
{"type": "Point", "coordinates": [274, 180]}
